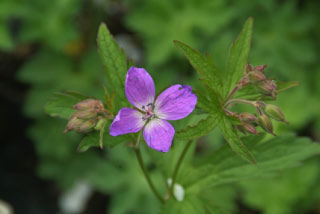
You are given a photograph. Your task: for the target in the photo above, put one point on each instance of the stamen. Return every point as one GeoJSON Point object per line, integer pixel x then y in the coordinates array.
{"type": "Point", "coordinates": [148, 111]}
{"type": "Point", "coordinates": [151, 105]}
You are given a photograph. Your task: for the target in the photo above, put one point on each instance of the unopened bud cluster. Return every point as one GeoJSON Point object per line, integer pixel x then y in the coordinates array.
{"type": "Point", "coordinates": [266, 112]}
{"type": "Point", "coordinates": [89, 114]}
{"type": "Point", "coordinates": [256, 77]}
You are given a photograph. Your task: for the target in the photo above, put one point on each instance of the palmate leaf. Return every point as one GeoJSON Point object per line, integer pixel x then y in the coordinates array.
{"type": "Point", "coordinates": [237, 59]}
{"type": "Point", "coordinates": [202, 128]}
{"type": "Point", "coordinates": [93, 139]}
{"type": "Point", "coordinates": [292, 191]}
{"type": "Point", "coordinates": [203, 101]}
{"type": "Point", "coordinates": [212, 81]}
{"type": "Point", "coordinates": [114, 59]}
{"type": "Point", "coordinates": [231, 136]}
{"type": "Point", "coordinates": [60, 105]}
{"type": "Point", "coordinates": [204, 66]}
{"type": "Point", "coordinates": [224, 167]}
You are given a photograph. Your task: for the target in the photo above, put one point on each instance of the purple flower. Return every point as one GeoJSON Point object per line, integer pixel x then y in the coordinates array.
{"type": "Point", "coordinates": [174, 103]}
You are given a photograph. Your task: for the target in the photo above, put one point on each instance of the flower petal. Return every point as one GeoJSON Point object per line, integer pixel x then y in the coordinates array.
{"type": "Point", "coordinates": [175, 103]}
{"type": "Point", "coordinates": [158, 134]}
{"type": "Point", "coordinates": [139, 87]}
{"type": "Point", "coordinates": [128, 120]}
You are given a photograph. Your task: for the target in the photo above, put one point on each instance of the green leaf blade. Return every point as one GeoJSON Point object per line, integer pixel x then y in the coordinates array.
{"type": "Point", "coordinates": [202, 128]}
{"type": "Point", "coordinates": [231, 136]}
{"type": "Point", "coordinates": [273, 156]}
{"type": "Point", "coordinates": [238, 55]}
{"type": "Point", "coordinates": [113, 58]}
{"type": "Point", "coordinates": [60, 105]}
{"type": "Point", "coordinates": [93, 140]}
{"type": "Point", "coordinates": [203, 65]}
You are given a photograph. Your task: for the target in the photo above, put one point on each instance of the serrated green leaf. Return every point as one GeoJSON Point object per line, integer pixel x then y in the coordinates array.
{"type": "Point", "coordinates": [60, 105]}
{"type": "Point", "coordinates": [273, 155]}
{"type": "Point", "coordinates": [231, 136]}
{"type": "Point", "coordinates": [214, 97]}
{"type": "Point", "coordinates": [286, 192]}
{"type": "Point", "coordinates": [203, 101]}
{"type": "Point", "coordinates": [203, 64]}
{"type": "Point", "coordinates": [237, 59]}
{"type": "Point", "coordinates": [93, 140]}
{"type": "Point", "coordinates": [283, 86]}
{"type": "Point", "coordinates": [202, 128]}
{"type": "Point", "coordinates": [114, 60]}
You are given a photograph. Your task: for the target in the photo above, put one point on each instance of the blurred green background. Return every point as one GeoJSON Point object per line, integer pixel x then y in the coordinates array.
{"type": "Point", "coordinates": [50, 46]}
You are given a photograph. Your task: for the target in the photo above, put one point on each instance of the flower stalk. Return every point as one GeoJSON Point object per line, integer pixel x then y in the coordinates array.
{"type": "Point", "coordinates": [175, 172]}
{"type": "Point", "coordinates": [143, 168]}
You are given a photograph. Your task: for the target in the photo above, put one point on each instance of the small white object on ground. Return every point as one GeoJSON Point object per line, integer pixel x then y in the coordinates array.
{"type": "Point", "coordinates": [5, 208]}
{"type": "Point", "coordinates": [178, 190]}
{"type": "Point", "coordinates": [75, 200]}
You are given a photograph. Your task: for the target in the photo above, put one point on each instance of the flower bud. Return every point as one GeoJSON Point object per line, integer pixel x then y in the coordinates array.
{"type": "Point", "coordinates": [87, 126]}
{"type": "Point", "coordinates": [86, 114]}
{"type": "Point", "coordinates": [250, 129]}
{"type": "Point", "coordinates": [266, 123]}
{"type": "Point", "coordinates": [241, 129]}
{"type": "Point", "coordinates": [89, 104]}
{"type": "Point", "coordinates": [247, 118]}
{"type": "Point", "coordinates": [275, 113]}
{"type": "Point", "coordinates": [248, 68]}
{"type": "Point", "coordinates": [268, 88]}
{"type": "Point", "coordinates": [243, 82]}
{"type": "Point", "coordinates": [100, 124]}
{"type": "Point", "coordinates": [260, 68]}
{"type": "Point", "coordinates": [256, 76]}
{"type": "Point", "coordinates": [73, 123]}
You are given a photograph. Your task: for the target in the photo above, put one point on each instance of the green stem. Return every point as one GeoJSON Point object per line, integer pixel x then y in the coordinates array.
{"type": "Point", "coordinates": [175, 172]}
{"type": "Point", "coordinates": [144, 170]}
{"type": "Point", "coordinates": [239, 101]}
{"type": "Point", "coordinates": [101, 134]}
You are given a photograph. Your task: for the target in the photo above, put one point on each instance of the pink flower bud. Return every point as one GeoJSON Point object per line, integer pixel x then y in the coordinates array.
{"type": "Point", "coordinates": [248, 67]}
{"type": "Point", "coordinates": [268, 88]}
{"type": "Point", "coordinates": [244, 81]}
{"type": "Point", "coordinates": [250, 129]}
{"type": "Point", "coordinates": [275, 113]}
{"type": "Point", "coordinates": [89, 104]}
{"type": "Point", "coordinates": [241, 129]}
{"type": "Point", "coordinates": [256, 76]}
{"type": "Point", "coordinates": [266, 124]}
{"type": "Point", "coordinates": [86, 114]}
{"type": "Point", "coordinates": [260, 68]}
{"type": "Point", "coordinates": [247, 118]}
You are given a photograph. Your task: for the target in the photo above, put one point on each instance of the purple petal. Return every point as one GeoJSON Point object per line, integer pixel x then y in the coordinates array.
{"type": "Point", "coordinates": [139, 87]}
{"type": "Point", "coordinates": [128, 120]}
{"type": "Point", "coordinates": [158, 134]}
{"type": "Point", "coordinates": [175, 103]}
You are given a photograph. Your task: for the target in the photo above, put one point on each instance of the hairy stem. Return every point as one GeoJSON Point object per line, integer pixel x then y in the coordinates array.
{"type": "Point", "coordinates": [234, 90]}
{"type": "Point", "coordinates": [175, 172]}
{"type": "Point", "coordinates": [101, 135]}
{"type": "Point", "coordinates": [144, 170]}
{"type": "Point", "coordinates": [239, 101]}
